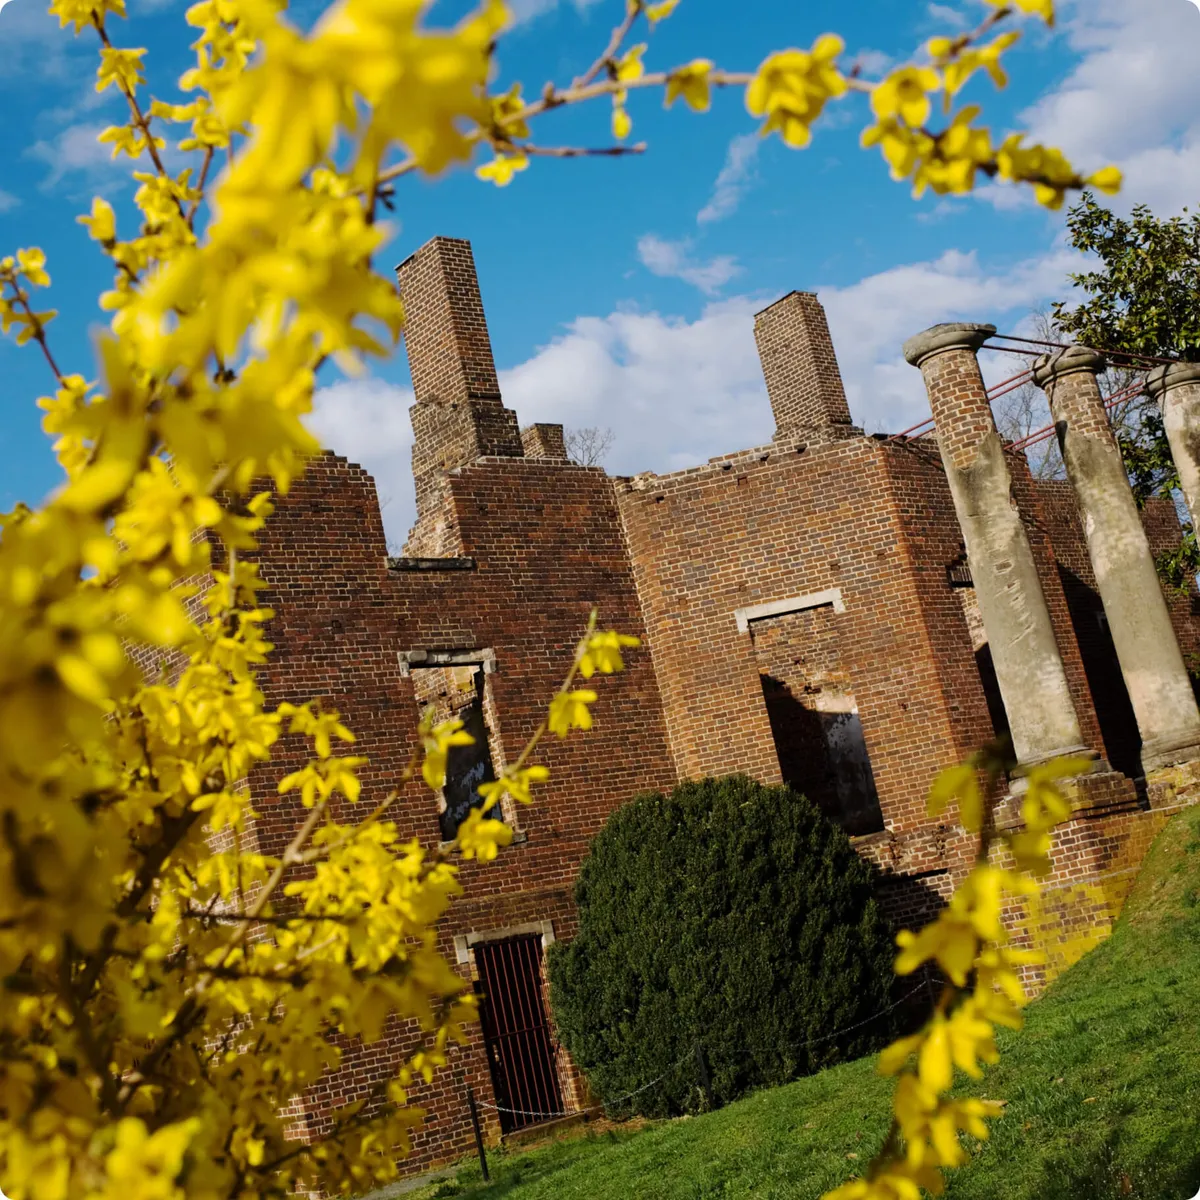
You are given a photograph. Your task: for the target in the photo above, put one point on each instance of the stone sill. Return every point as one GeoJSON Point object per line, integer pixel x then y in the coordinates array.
{"type": "Point", "coordinates": [430, 564]}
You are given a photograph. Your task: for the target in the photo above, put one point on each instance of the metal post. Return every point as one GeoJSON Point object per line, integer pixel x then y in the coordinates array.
{"type": "Point", "coordinates": [478, 1133]}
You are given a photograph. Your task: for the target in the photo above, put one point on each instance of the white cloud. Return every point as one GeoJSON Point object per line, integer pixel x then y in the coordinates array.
{"type": "Point", "coordinates": [870, 321]}
{"type": "Point", "coordinates": [527, 10]}
{"type": "Point", "coordinates": [945, 15]}
{"type": "Point", "coordinates": [366, 420]}
{"type": "Point", "coordinates": [8, 201]}
{"type": "Point", "coordinates": [736, 176]}
{"type": "Point", "coordinates": [673, 260]}
{"type": "Point", "coordinates": [678, 392]}
{"type": "Point", "coordinates": [873, 62]}
{"type": "Point", "coordinates": [1133, 98]}
{"type": "Point", "coordinates": [32, 42]}
{"type": "Point", "coordinates": [74, 150]}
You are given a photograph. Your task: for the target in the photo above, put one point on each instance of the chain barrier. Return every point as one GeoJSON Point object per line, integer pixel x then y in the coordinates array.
{"type": "Point", "coordinates": [826, 1037]}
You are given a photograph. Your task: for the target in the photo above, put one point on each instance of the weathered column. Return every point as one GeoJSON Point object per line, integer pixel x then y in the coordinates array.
{"type": "Point", "coordinates": [1151, 663]}
{"type": "Point", "coordinates": [1176, 387]}
{"type": "Point", "coordinates": [1029, 668]}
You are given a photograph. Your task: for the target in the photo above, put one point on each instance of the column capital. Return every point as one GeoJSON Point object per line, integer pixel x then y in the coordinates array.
{"type": "Point", "coordinates": [1168, 376]}
{"type": "Point", "coordinates": [1071, 360]}
{"type": "Point", "coordinates": [956, 335]}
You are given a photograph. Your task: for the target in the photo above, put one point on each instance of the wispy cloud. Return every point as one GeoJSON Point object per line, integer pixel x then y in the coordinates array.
{"type": "Point", "coordinates": [74, 150]}
{"type": "Point", "coordinates": [875, 62]}
{"type": "Point", "coordinates": [946, 15]}
{"type": "Point", "coordinates": [737, 175]}
{"type": "Point", "coordinates": [528, 10]}
{"type": "Point", "coordinates": [673, 260]}
{"type": "Point", "coordinates": [8, 201]}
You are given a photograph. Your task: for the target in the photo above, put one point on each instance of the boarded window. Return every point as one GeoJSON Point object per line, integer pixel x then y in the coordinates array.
{"type": "Point", "coordinates": [814, 716]}
{"type": "Point", "coordinates": [458, 691]}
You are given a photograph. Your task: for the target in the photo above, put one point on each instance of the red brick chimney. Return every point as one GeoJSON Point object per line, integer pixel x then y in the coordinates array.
{"type": "Point", "coordinates": [459, 415]}
{"type": "Point", "coordinates": [801, 370]}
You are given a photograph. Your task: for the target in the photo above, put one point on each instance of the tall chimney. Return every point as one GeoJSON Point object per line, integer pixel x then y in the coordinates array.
{"type": "Point", "coordinates": [459, 415]}
{"type": "Point", "coordinates": [801, 370]}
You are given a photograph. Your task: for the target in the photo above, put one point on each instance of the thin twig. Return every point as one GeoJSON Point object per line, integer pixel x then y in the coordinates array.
{"type": "Point", "coordinates": [582, 151]}
{"type": "Point", "coordinates": [140, 119]}
{"type": "Point", "coordinates": [619, 34]}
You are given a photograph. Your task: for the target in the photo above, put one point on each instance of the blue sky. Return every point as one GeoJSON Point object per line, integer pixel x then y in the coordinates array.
{"type": "Point", "coordinates": [620, 293]}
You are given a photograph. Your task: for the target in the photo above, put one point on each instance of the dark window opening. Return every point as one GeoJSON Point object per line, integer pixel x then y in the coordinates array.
{"type": "Point", "coordinates": [814, 717]}
{"type": "Point", "coordinates": [458, 692]}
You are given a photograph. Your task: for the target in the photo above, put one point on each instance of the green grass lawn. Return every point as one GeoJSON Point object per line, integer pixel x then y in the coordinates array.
{"type": "Point", "coordinates": [1102, 1085]}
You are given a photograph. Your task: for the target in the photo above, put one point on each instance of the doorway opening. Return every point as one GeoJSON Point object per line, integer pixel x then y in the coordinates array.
{"type": "Point", "coordinates": [516, 1031]}
{"type": "Point", "coordinates": [814, 716]}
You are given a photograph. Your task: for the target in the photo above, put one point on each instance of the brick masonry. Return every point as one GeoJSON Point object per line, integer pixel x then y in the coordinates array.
{"type": "Point", "coordinates": [828, 561]}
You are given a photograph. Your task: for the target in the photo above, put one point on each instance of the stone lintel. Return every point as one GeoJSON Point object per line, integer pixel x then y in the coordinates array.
{"type": "Point", "coordinates": [777, 608]}
{"type": "Point", "coordinates": [409, 659]}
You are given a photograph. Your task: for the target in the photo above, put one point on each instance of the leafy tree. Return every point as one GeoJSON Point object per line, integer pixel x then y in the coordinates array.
{"type": "Point", "coordinates": [167, 989]}
{"type": "Point", "coordinates": [1142, 298]}
{"type": "Point", "coordinates": [728, 915]}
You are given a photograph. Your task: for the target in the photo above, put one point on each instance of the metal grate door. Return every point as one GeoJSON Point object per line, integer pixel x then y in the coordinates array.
{"type": "Point", "coordinates": [516, 1031]}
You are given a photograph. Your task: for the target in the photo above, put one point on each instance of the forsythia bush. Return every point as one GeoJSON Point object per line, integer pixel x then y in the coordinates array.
{"type": "Point", "coordinates": [158, 1010]}
{"type": "Point", "coordinates": [728, 915]}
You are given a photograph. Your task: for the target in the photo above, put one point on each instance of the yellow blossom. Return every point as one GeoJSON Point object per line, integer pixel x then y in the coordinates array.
{"type": "Point", "coordinates": [502, 168]}
{"type": "Point", "coordinates": [692, 83]}
{"type": "Point", "coordinates": [518, 784]}
{"type": "Point", "coordinates": [904, 94]}
{"type": "Point", "coordinates": [603, 653]}
{"type": "Point", "coordinates": [437, 740]}
{"type": "Point", "coordinates": [1039, 8]}
{"type": "Point", "coordinates": [792, 88]}
{"type": "Point", "coordinates": [569, 710]}
{"type": "Point", "coordinates": [481, 837]}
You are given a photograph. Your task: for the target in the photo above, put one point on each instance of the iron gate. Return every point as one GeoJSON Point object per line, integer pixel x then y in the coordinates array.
{"type": "Point", "coordinates": [516, 1031]}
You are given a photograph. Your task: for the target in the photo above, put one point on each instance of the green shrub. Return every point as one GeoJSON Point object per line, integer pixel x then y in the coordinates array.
{"type": "Point", "coordinates": [730, 915]}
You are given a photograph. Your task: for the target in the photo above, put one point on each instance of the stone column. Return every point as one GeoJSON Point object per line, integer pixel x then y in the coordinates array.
{"type": "Point", "coordinates": [1176, 387]}
{"type": "Point", "coordinates": [1029, 668]}
{"type": "Point", "coordinates": [1138, 619]}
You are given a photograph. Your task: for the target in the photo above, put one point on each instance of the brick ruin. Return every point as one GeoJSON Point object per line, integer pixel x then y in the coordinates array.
{"type": "Point", "coordinates": [809, 615]}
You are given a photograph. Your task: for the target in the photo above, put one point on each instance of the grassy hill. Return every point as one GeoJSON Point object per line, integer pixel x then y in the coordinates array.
{"type": "Point", "coordinates": [1103, 1091]}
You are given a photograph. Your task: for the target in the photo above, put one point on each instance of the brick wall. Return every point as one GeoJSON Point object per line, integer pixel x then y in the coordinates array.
{"type": "Point", "coordinates": [767, 526]}
{"type": "Point", "coordinates": [547, 546]}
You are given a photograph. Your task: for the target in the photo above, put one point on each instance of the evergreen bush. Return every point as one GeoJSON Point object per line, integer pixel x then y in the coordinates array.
{"type": "Point", "coordinates": [728, 915]}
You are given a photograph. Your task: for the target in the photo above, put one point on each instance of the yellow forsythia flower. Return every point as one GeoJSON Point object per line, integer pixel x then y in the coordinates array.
{"type": "Point", "coordinates": [791, 89]}
{"type": "Point", "coordinates": [603, 653]}
{"type": "Point", "coordinates": [569, 710]}
{"type": "Point", "coordinates": [905, 94]}
{"type": "Point", "coordinates": [481, 837]}
{"type": "Point", "coordinates": [691, 82]}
